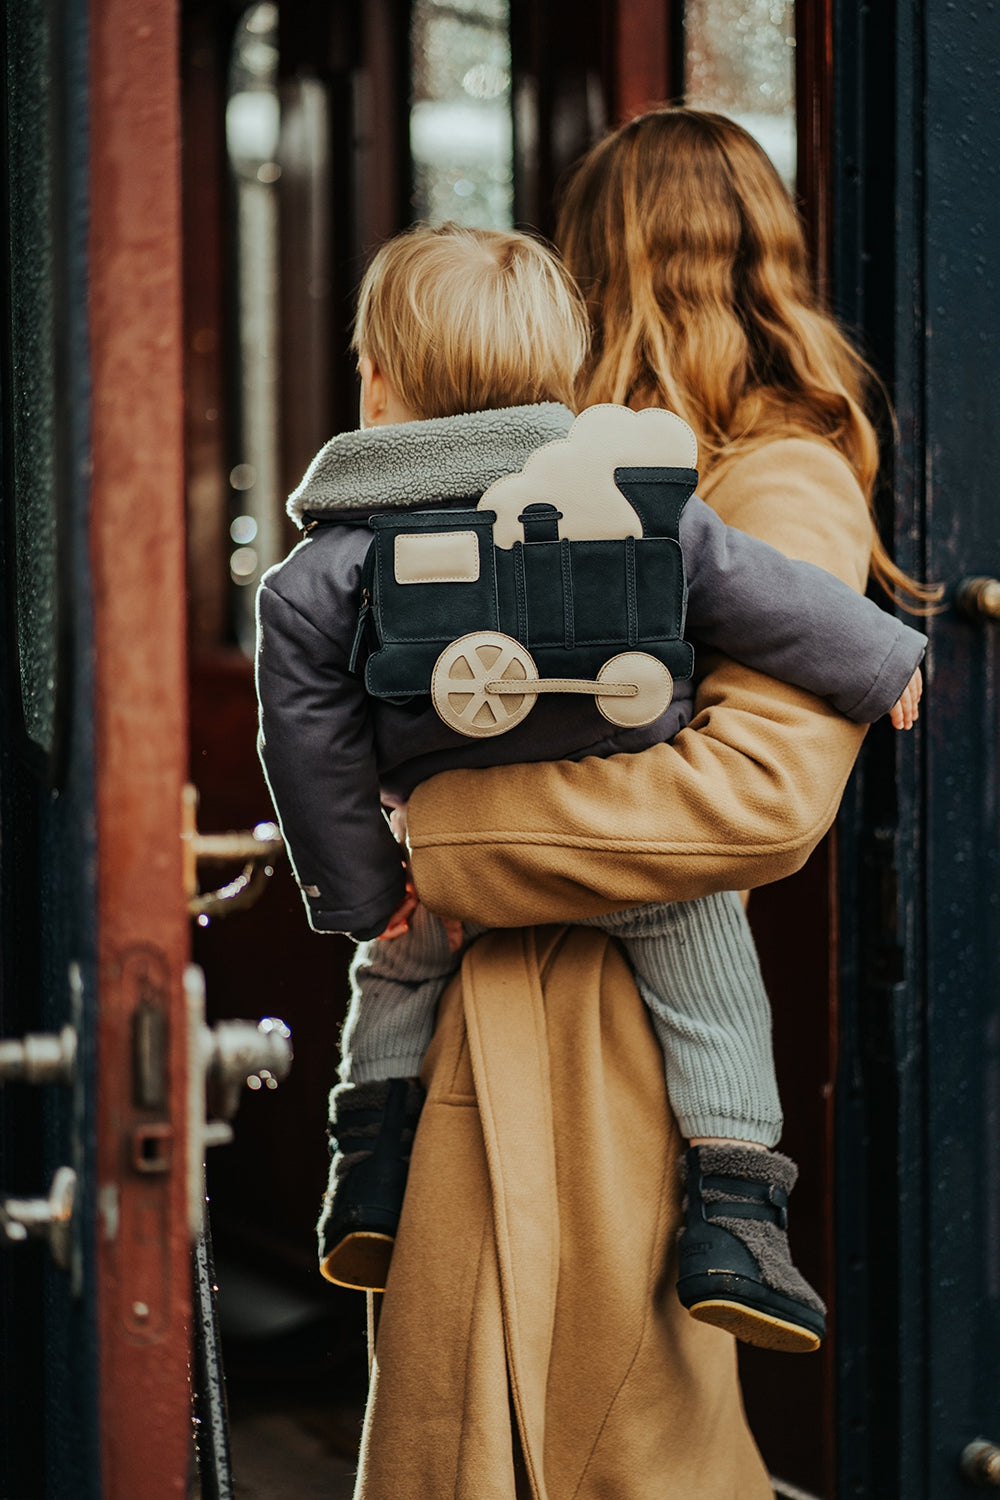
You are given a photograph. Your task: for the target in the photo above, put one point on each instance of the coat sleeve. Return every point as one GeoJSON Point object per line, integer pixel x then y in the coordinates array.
{"type": "Point", "coordinates": [741, 796]}
{"type": "Point", "coordinates": [793, 620]}
{"type": "Point", "coordinates": [316, 746]}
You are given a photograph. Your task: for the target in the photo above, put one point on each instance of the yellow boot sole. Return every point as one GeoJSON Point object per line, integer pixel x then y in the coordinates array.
{"type": "Point", "coordinates": [751, 1327]}
{"type": "Point", "coordinates": [360, 1261]}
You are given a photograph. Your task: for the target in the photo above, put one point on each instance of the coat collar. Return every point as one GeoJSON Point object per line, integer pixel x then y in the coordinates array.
{"type": "Point", "coordinates": [416, 463]}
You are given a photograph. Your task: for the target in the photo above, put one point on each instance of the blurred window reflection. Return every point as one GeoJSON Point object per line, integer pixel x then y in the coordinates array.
{"type": "Point", "coordinates": [460, 118]}
{"type": "Point", "coordinates": [739, 59]}
{"type": "Point", "coordinates": [253, 121]}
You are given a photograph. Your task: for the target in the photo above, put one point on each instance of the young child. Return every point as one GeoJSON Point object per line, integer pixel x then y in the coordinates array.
{"type": "Point", "coordinates": [468, 344]}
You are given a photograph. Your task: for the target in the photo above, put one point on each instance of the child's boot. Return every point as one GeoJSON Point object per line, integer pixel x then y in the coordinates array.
{"type": "Point", "coordinates": [371, 1134]}
{"type": "Point", "coordinates": [734, 1265]}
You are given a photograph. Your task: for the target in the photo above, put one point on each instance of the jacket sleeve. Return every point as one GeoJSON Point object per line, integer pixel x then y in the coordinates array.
{"type": "Point", "coordinates": [793, 620]}
{"type": "Point", "coordinates": [740, 798]}
{"type": "Point", "coordinates": [317, 749]}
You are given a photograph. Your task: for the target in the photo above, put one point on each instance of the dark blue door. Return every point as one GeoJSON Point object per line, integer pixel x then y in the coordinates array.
{"type": "Point", "coordinates": [917, 215]}
{"type": "Point", "coordinates": [48, 1384]}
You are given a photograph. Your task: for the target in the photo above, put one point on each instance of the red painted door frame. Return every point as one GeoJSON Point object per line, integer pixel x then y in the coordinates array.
{"type": "Point", "coordinates": [643, 67]}
{"type": "Point", "coordinates": [137, 554]}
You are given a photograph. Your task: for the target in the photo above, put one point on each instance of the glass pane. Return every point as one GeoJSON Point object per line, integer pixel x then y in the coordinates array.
{"type": "Point", "coordinates": [461, 137]}
{"type": "Point", "coordinates": [253, 121]}
{"type": "Point", "coordinates": [739, 59]}
{"type": "Point", "coordinates": [31, 398]}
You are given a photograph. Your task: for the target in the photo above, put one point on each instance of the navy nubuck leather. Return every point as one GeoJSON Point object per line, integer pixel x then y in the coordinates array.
{"type": "Point", "coordinates": [571, 603]}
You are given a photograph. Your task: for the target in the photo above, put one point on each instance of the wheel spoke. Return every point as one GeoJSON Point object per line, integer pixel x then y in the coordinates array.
{"type": "Point", "coordinates": [468, 669]}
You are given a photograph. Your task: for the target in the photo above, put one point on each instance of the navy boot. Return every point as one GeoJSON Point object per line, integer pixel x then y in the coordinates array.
{"type": "Point", "coordinates": [371, 1134]}
{"type": "Point", "coordinates": [734, 1266]}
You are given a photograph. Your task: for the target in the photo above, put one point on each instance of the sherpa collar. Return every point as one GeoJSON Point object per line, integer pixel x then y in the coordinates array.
{"type": "Point", "coordinates": [412, 463]}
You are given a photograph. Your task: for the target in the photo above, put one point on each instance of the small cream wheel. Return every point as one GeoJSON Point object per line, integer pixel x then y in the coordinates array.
{"type": "Point", "coordinates": [653, 683]}
{"type": "Point", "coordinates": [460, 676]}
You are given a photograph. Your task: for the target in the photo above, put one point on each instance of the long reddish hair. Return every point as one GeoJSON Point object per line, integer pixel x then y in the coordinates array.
{"type": "Point", "coordinates": [693, 262]}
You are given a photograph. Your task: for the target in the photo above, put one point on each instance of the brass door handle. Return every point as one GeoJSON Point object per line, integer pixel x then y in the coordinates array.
{"type": "Point", "coordinates": [48, 1218]}
{"type": "Point", "coordinates": [223, 1060]}
{"type": "Point", "coordinates": [978, 598]}
{"type": "Point", "coordinates": [256, 849]}
{"type": "Point", "coordinates": [39, 1058]}
{"type": "Point", "coordinates": [980, 1464]}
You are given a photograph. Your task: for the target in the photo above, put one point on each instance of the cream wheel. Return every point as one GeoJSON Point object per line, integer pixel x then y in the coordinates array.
{"type": "Point", "coordinates": [467, 684]}
{"type": "Point", "coordinates": [652, 681]}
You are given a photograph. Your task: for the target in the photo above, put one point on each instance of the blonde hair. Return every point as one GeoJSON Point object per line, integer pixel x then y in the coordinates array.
{"type": "Point", "coordinates": [694, 266]}
{"type": "Point", "coordinates": [462, 320]}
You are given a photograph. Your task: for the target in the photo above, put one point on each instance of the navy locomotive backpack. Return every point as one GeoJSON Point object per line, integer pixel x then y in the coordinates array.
{"type": "Point", "coordinates": [568, 577]}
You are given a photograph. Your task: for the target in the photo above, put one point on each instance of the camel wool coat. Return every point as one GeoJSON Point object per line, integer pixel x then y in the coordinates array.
{"type": "Point", "coordinates": [532, 1282]}
{"type": "Point", "coordinates": [533, 1273]}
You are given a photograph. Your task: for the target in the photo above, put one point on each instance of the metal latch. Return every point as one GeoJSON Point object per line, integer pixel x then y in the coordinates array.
{"type": "Point", "coordinates": [48, 1218]}
{"type": "Point", "coordinates": [222, 1061]}
{"type": "Point", "coordinates": [980, 1464]}
{"type": "Point", "coordinates": [239, 1055]}
{"type": "Point", "coordinates": [256, 850]}
{"type": "Point", "coordinates": [39, 1058]}
{"type": "Point", "coordinates": [978, 598]}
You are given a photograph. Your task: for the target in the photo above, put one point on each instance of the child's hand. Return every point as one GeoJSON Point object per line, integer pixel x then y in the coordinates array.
{"type": "Point", "coordinates": [905, 713]}
{"type": "Point", "coordinates": [399, 922]}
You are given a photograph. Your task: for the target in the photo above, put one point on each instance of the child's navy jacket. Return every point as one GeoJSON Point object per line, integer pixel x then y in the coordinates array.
{"type": "Point", "coordinates": [333, 755]}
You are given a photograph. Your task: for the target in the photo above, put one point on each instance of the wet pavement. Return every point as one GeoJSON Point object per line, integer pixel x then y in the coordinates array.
{"type": "Point", "coordinates": [306, 1452]}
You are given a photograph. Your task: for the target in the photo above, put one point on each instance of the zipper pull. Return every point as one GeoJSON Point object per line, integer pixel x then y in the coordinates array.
{"type": "Point", "coordinates": [359, 630]}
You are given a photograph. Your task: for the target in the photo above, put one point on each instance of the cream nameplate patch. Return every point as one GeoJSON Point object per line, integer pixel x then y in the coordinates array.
{"type": "Point", "coordinates": [436, 557]}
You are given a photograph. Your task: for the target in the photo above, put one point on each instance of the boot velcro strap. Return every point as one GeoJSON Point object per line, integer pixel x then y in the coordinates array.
{"type": "Point", "coordinates": [746, 1199]}
{"type": "Point", "coordinates": [769, 1213]}
{"type": "Point", "coordinates": [364, 1137]}
{"type": "Point", "coordinates": [743, 1187]}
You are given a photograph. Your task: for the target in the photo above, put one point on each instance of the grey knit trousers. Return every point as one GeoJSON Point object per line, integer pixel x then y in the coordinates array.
{"type": "Point", "coordinates": [697, 971]}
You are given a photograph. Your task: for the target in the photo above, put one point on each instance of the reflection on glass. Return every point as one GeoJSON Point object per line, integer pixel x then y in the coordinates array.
{"type": "Point", "coordinates": [739, 59]}
{"type": "Point", "coordinates": [243, 530]}
{"type": "Point", "coordinates": [253, 122]}
{"type": "Point", "coordinates": [31, 396]}
{"type": "Point", "coordinates": [460, 121]}
{"type": "Point", "coordinates": [244, 565]}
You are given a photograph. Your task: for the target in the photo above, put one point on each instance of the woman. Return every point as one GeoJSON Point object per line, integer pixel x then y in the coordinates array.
{"type": "Point", "coordinates": [556, 1222]}
{"type": "Point", "coordinates": [695, 269]}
